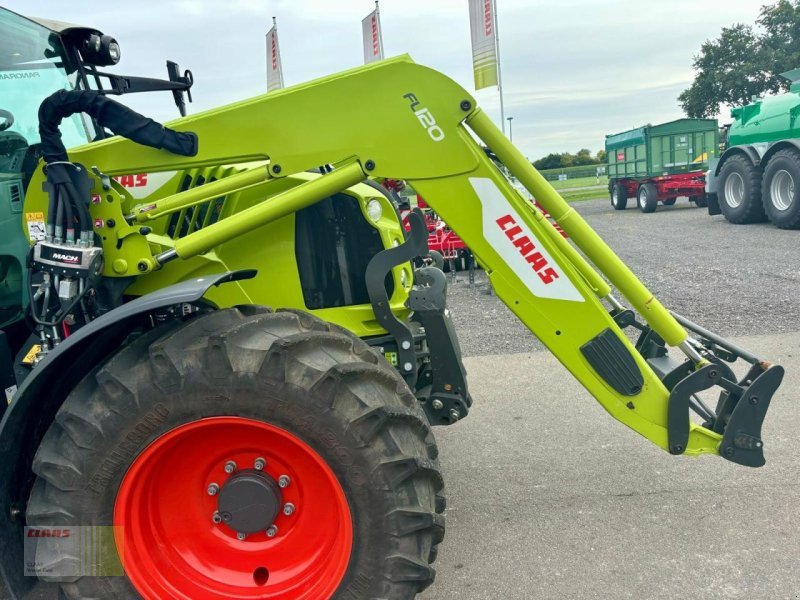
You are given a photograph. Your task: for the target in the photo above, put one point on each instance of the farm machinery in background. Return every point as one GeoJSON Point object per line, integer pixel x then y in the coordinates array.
{"type": "Point", "coordinates": [660, 163]}
{"type": "Point", "coordinates": [757, 177]}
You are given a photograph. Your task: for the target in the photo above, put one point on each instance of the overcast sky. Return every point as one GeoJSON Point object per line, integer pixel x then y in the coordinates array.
{"type": "Point", "coordinates": [573, 70]}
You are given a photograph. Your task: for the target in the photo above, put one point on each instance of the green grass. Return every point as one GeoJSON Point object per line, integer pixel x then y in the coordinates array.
{"type": "Point", "coordinates": [588, 194]}
{"type": "Point", "coordinates": [580, 182]}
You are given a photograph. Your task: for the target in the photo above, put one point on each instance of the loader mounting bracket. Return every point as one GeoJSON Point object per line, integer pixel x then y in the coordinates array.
{"type": "Point", "coordinates": [377, 270]}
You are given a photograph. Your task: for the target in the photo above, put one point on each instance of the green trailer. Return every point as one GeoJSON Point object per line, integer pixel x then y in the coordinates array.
{"type": "Point", "coordinates": [661, 162]}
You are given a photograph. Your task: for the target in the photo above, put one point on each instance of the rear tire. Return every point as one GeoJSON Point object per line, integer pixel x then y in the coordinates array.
{"type": "Point", "coordinates": [740, 191]}
{"type": "Point", "coordinates": [619, 196]}
{"type": "Point", "coordinates": [669, 201]}
{"type": "Point", "coordinates": [700, 200]}
{"type": "Point", "coordinates": [287, 373]}
{"type": "Point", "coordinates": [647, 197]}
{"type": "Point", "coordinates": [780, 190]}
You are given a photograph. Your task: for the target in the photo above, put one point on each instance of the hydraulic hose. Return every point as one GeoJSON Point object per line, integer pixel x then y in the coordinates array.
{"type": "Point", "coordinates": [108, 113]}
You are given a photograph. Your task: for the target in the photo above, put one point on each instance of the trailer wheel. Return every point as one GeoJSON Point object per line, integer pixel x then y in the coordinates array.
{"type": "Point", "coordinates": [647, 197]}
{"type": "Point", "coordinates": [244, 454]}
{"type": "Point", "coordinates": [740, 191]}
{"type": "Point", "coordinates": [619, 196]}
{"type": "Point", "coordinates": [699, 200]}
{"type": "Point", "coordinates": [669, 201]}
{"type": "Point", "coordinates": [781, 189]}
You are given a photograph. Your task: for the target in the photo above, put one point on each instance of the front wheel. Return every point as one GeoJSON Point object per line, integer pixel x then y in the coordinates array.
{"type": "Point", "coordinates": [647, 197]}
{"type": "Point", "coordinates": [781, 189]}
{"type": "Point", "coordinates": [244, 454]}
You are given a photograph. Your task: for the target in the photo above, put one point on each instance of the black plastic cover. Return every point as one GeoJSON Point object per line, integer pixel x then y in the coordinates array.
{"type": "Point", "coordinates": [609, 357]}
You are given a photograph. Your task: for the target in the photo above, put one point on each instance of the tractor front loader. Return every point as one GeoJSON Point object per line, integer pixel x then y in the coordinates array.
{"type": "Point", "coordinates": [168, 436]}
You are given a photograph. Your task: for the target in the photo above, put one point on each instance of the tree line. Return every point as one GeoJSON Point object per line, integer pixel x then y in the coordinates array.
{"type": "Point", "coordinates": [582, 158]}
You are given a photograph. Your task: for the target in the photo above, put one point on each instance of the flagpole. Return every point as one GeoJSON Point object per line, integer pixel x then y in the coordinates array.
{"type": "Point", "coordinates": [499, 75]}
{"type": "Point", "coordinates": [380, 37]}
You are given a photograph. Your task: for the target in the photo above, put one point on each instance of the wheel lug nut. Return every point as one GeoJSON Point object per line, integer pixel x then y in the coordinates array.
{"type": "Point", "coordinates": [272, 531]}
{"type": "Point", "coordinates": [259, 464]}
{"type": "Point", "coordinates": [288, 509]}
{"type": "Point", "coordinates": [284, 481]}
{"type": "Point", "coordinates": [241, 536]}
{"type": "Point", "coordinates": [216, 518]}
{"type": "Point", "coordinates": [230, 466]}
{"type": "Point", "coordinates": [213, 488]}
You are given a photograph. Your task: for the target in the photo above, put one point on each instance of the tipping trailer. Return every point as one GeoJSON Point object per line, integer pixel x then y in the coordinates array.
{"type": "Point", "coordinates": [758, 175]}
{"type": "Point", "coordinates": [660, 163]}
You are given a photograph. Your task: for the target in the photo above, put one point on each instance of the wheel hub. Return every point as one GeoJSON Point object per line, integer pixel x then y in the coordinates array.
{"type": "Point", "coordinates": [249, 501]}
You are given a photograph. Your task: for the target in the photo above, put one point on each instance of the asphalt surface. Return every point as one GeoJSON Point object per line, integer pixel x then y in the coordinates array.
{"type": "Point", "coordinates": [732, 279]}
{"type": "Point", "coordinates": [550, 498]}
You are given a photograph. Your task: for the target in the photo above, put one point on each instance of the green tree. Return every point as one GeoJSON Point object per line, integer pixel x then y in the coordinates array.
{"type": "Point", "coordinates": [551, 161]}
{"type": "Point", "coordinates": [745, 61]}
{"type": "Point", "coordinates": [600, 157]}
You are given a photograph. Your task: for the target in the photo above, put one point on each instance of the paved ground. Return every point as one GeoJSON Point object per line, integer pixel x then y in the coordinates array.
{"type": "Point", "coordinates": [551, 498]}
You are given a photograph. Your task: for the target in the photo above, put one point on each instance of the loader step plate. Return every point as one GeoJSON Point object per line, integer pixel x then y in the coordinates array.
{"type": "Point", "coordinates": [614, 363]}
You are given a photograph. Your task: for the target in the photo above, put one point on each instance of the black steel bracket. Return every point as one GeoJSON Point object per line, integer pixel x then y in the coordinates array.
{"type": "Point", "coordinates": [378, 268]}
{"type": "Point", "coordinates": [741, 442]}
{"type": "Point", "coordinates": [446, 400]}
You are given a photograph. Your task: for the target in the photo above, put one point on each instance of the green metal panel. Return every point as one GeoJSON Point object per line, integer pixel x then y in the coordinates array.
{"type": "Point", "coordinates": [675, 147]}
{"type": "Point", "coordinates": [767, 120]}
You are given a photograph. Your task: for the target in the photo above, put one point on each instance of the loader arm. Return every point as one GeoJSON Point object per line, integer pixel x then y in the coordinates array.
{"type": "Point", "coordinates": [399, 120]}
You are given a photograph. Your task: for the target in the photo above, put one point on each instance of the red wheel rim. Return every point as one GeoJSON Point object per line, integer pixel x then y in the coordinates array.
{"type": "Point", "coordinates": [171, 547]}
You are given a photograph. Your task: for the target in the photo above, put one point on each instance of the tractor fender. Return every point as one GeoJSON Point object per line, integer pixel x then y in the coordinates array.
{"type": "Point", "coordinates": [749, 151]}
{"type": "Point", "coordinates": [36, 403]}
{"type": "Point", "coordinates": [793, 144]}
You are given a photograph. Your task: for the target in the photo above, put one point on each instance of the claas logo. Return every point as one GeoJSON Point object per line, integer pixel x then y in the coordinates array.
{"type": "Point", "coordinates": [130, 181]}
{"type": "Point", "coordinates": [527, 249]}
{"type": "Point", "coordinates": [34, 532]}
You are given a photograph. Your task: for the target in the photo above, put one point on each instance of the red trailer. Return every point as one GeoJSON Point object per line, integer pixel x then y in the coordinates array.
{"type": "Point", "coordinates": [652, 190]}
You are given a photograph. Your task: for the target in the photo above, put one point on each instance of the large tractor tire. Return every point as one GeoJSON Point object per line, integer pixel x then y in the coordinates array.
{"type": "Point", "coordinates": [619, 196]}
{"type": "Point", "coordinates": [740, 191]}
{"type": "Point", "coordinates": [245, 454]}
{"type": "Point", "coordinates": [781, 189]}
{"type": "Point", "coordinates": [647, 197]}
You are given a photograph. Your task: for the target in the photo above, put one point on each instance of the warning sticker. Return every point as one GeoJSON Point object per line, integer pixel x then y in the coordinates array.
{"type": "Point", "coordinates": [35, 222]}
{"type": "Point", "coordinates": [30, 357]}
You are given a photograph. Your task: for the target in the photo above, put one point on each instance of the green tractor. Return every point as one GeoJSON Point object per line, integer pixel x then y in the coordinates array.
{"type": "Point", "coordinates": [168, 436]}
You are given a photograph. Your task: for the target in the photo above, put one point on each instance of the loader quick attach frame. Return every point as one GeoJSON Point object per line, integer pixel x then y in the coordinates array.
{"type": "Point", "coordinates": [399, 120]}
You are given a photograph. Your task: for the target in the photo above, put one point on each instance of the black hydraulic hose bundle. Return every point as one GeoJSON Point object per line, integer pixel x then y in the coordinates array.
{"type": "Point", "coordinates": [61, 174]}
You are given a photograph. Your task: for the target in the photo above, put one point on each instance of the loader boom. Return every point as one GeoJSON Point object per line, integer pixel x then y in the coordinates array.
{"type": "Point", "coordinates": [399, 120]}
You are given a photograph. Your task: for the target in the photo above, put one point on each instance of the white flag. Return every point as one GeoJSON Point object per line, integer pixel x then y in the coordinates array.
{"type": "Point", "coordinates": [484, 42]}
{"type": "Point", "coordinates": [373, 42]}
{"type": "Point", "coordinates": [274, 69]}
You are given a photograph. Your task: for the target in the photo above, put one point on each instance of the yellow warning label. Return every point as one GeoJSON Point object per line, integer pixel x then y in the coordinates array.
{"type": "Point", "coordinates": [30, 357]}
{"type": "Point", "coordinates": [34, 216]}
